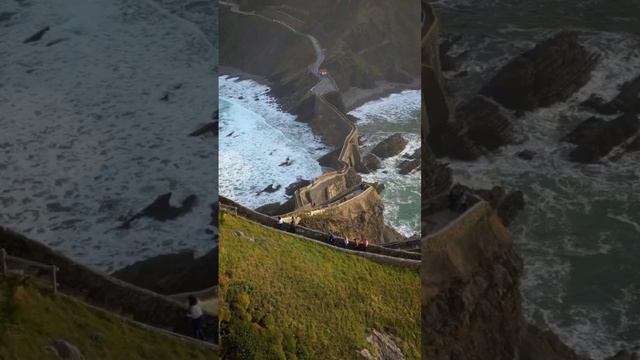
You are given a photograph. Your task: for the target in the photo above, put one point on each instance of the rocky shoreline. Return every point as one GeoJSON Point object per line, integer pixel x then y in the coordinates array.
{"type": "Point", "coordinates": [472, 307]}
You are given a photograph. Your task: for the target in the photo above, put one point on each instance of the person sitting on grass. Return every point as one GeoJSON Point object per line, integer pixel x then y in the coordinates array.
{"type": "Point", "coordinates": [195, 315]}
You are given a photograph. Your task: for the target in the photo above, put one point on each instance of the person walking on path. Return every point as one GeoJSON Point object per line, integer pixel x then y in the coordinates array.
{"type": "Point", "coordinates": [292, 225]}
{"type": "Point", "coordinates": [280, 223]}
{"type": "Point", "coordinates": [366, 244]}
{"type": "Point", "coordinates": [196, 317]}
{"type": "Point", "coordinates": [332, 239]}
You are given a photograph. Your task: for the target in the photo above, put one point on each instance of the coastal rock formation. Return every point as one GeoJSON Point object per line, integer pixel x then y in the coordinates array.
{"type": "Point", "coordinates": [173, 273]}
{"type": "Point", "coordinates": [507, 204]}
{"type": "Point", "coordinates": [471, 307]}
{"type": "Point", "coordinates": [627, 101]}
{"type": "Point", "coordinates": [269, 189]}
{"type": "Point", "coordinates": [436, 176]}
{"type": "Point", "coordinates": [208, 128]}
{"type": "Point", "coordinates": [392, 235]}
{"type": "Point", "coordinates": [471, 302]}
{"type": "Point", "coordinates": [595, 137]}
{"type": "Point", "coordinates": [550, 72]}
{"type": "Point", "coordinates": [412, 163]}
{"type": "Point", "coordinates": [284, 56]}
{"type": "Point", "coordinates": [485, 125]}
{"type": "Point", "coordinates": [162, 210]}
{"type": "Point", "coordinates": [408, 166]}
{"type": "Point", "coordinates": [291, 189]}
{"type": "Point", "coordinates": [371, 163]}
{"type": "Point", "coordinates": [391, 146]}
{"type": "Point", "coordinates": [276, 208]}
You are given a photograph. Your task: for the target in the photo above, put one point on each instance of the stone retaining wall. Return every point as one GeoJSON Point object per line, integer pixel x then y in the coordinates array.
{"type": "Point", "coordinates": [104, 291]}
{"type": "Point", "coordinates": [310, 233]}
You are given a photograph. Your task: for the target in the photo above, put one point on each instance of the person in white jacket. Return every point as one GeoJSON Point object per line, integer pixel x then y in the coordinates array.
{"type": "Point", "coordinates": [195, 314]}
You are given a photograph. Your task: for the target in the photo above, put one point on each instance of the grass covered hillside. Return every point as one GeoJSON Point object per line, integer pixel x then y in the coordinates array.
{"type": "Point", "coordinates": [32, 318]}
{"type": "Point", "coordinates": [282, 297]}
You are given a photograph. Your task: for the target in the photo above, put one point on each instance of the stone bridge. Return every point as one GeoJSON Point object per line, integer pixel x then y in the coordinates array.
{"type": "Point", "coordinates": [337, 189]}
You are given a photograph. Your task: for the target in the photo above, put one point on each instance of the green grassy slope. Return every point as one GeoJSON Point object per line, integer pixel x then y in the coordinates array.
{"type": "Point", "coordinates": [283, 297]}
{"type": "Point", "coordinates": [31, 318]}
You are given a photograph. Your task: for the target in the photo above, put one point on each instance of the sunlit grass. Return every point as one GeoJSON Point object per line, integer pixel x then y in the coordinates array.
{"type": "Point", "coordinates": [326, 298]}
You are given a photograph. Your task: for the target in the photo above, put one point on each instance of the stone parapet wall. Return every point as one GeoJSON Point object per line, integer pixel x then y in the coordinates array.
{"type": "Point", "coordinates": [101, 290]}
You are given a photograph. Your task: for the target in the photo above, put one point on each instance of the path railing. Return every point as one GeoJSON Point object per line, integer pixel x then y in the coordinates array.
{"type": "Point", "coordinates": [5, 259]}
{"type": "Point", "coordinates": [316, 235]}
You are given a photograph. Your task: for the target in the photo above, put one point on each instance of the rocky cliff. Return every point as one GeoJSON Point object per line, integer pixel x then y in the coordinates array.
{"type": "Point", "coordinates": [471, 302]}
{"type": "Point", "coordinates": [471, 271]}
{"type": "Point", "coordinates": [261, 47]}
{"type": "Point", "coordinates": [336, 201]}
{"type": "Point", "coordinates": [365, 40]}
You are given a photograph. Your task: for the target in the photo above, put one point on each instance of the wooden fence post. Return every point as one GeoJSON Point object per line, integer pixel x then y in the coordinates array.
{"type": "Point", "coordinates": [55, 278]}
{"type": "Point", "coordinates": [3, 261]}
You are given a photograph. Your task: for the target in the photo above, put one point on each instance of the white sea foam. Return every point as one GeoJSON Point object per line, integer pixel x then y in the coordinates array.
{"type": "Point", "coordinates": [85, 137]}
{"type": "Point", "coordinates": [377, 120]}
{"type": "Point", "coordinates": [395, 108]}
{"type": "Point", "coordinates": [574, 212]}
{"type": "Point", "coordinates": [256, 136]}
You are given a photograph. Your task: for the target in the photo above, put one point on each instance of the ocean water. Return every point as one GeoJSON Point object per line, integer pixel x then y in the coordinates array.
{"type": "Point", "coordinates": [580, 232]}
{"type": "Point", "coordinates": [85, 139]}
{"type": "Point", "coordinates": [256, 137]}
{"type": "Point", "coordinates": [377, 120]}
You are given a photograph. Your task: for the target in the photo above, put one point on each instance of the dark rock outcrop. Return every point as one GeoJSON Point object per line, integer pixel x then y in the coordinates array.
{"type": "Point", "coordinates": [269, 189]}
{"type": "Point", "coordinates": [546, 74]}
{"type": "Point", "coordinates": [209, 128]}
{"type": "Point", "coordinates": [624, 355]}
{"type": "Point", "coordinates": [484, 124]}
{"type": "Point", "coordinates": [287, 162]}
{"type": "Point", "coordinates": [596, 137]}
{"type": "Point", "coordinates": [448, 62]}
{"type": "Point", "coordinates": [526, 154]}
{"type": "Point", "coordinates": [408, 166]}
{"type": "Point", "coordinates": [330, 159]}
{"type": "Point", "coordinates": [391, 146]}
{"type": "Point", "coordinates": [173, 273]}
{"type": "Point", "coordinates": [371, 163]}
{"type": "Point", "coordinates": [436, 176]}
{"type": "Point", "coordinates": [162, 210]}
{"type": "Point", "coordinates": [537, 344]}
{"type": "Point", "coordinates": [471, 304]}
{"type": "Point", "coordinates": [291, 189]}
{"type": "Point", "coordinates": [37, 36]}
{"type": "Point", "coordinates": [627, 101]}
{"type": "Point", "coordinates": [390, 235]}
{"type": "Point", "coordinates": [276, 208]}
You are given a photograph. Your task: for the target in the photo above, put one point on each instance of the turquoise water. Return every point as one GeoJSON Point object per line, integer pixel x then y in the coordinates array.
{"type": "Point", "coordinates": [378, 119]}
